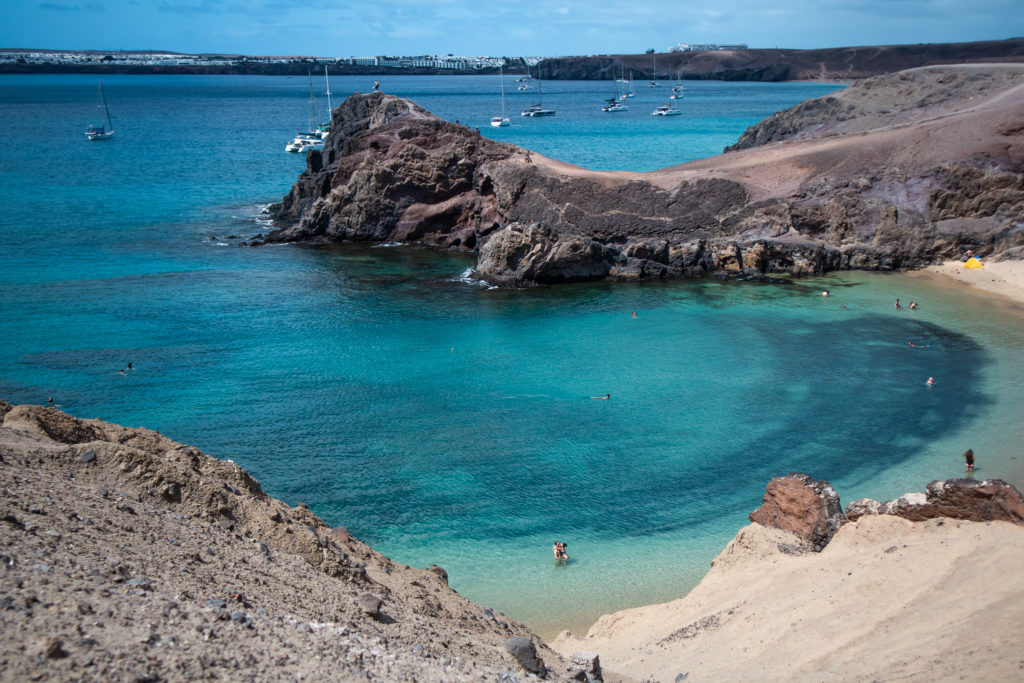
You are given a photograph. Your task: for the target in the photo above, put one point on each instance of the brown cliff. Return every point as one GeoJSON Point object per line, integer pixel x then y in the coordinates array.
{"type": "Point", "coordinates": [895, 172]}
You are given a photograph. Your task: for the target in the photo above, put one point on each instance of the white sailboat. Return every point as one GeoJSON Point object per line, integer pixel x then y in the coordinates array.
{"type": "Point", "coordinates": [105, 130]}
{"type": "Point", "coordinates": [503, 120]}
{"type": "Point", "coordinates": [677, 89]}
{"type": "Point", "coordinates": [612, 103]}
{"type": "Point", "coordinates": [324, 128]}
{"type": "Point", "coordinates": [311, 138]}
{"type": "Point", "coordinates": [654, 83]}
{"type": "Point", "coordinates": [538, 109]}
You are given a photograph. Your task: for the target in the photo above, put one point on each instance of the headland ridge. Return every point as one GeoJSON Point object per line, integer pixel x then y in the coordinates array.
{"type": "Point", "coordinates": [898, 171]}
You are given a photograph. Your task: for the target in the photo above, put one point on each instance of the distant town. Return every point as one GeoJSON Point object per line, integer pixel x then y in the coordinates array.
{"type": "Point", "coordinates": [130, 61]}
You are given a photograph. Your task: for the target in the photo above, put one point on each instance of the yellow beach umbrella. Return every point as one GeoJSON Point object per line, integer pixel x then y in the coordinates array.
{"type": "Point", "coordinates": [972, 262]}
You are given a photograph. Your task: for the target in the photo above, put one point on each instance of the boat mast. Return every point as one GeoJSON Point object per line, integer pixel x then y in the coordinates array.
{"type": "Point", "coordinates": [504, 109]}
{"type": "Point", "coordinates": [312, 104]}
{"type": "Point", "coordinates": [328, 82]}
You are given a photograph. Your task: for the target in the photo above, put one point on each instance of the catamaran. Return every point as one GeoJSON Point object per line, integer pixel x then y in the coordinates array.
{"type": "Point", "coordinates": [311, 139]}
{"type": "Point", "coordinates": [503, 120]}
{"type": "Point", "coordinates": [105, 130]}
{"type": "Point", "coordinates": [667, 109]}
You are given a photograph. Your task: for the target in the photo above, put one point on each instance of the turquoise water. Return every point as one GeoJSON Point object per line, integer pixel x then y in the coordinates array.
{"type": "Point", "coordinates": [445, 422]}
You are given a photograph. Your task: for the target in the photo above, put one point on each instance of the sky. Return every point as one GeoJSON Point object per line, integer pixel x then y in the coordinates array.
{"type": "Point", "coordinates": [342, 28]}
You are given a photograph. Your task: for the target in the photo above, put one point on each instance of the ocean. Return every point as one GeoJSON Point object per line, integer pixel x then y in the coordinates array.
{"type": "Point", "coordinates": [445, 422]}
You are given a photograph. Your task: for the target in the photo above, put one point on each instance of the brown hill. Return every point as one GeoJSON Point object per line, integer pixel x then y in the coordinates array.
{"type": "Point", "coordinates": [130, 557]}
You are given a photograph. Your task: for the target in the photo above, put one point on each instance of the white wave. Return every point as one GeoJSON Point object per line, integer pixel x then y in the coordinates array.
{"type": "Point", "coordinates": [388, 244]}
{"type": "Point", "coordinates": [467, 278]}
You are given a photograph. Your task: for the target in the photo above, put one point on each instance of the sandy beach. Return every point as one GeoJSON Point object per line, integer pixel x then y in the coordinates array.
{"type": "Point", "coordinates": [887, 599]}
{"type": "Point", "coordinates": [1004, 279]}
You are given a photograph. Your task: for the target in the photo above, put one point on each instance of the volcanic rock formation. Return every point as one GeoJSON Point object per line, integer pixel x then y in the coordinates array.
{"type": "Point", "coordinates": [895, 172]}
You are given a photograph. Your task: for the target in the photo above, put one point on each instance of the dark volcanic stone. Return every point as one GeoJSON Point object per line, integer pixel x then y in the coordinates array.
{"type": "Point", "coordinates": [525, 652]}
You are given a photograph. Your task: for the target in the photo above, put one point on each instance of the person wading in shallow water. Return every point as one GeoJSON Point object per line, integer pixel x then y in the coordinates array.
{"type": "Point", "coordinates": [559, 550]}
{"type": "Point", "coordinates": [969, 460]}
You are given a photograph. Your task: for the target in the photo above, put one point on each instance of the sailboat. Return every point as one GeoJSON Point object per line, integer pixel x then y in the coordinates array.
{"type": "Point", "coordinates": [654, 83]}
{"type": "Point", "coordinates": [503, 120]}
{"type": "Point", "coordinates": [612, 103]}
{"type": "Point", "coordinates": [311, 138]}
{"type": "Point", "coordinates": [105, 130]}
{"type": "Point", "coordinates": [538, 109]}
{"type": "Point", "coordinates": [677, 89]}
{"type": "Point", "coordinates": [324, 128]}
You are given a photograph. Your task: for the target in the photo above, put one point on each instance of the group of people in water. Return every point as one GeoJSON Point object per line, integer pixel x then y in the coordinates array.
{"type": "Point", "coordinates": [560, 553]}
{"type": "Point", "coordinates": [912, 306]}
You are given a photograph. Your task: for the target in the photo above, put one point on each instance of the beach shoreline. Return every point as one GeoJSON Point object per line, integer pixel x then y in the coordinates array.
{"type": "Point", "coordinates": [1003, 280]}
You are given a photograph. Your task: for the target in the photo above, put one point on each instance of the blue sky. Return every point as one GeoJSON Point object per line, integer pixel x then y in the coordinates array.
{"type": "Point", "coordinates": [341, 28]}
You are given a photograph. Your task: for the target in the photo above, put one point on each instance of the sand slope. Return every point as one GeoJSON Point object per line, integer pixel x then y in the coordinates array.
{"type": "Point", "coordinates": [887, 599]}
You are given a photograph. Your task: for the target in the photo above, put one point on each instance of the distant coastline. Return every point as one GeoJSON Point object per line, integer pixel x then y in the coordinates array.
{"type": "Point", "coordinates": [764, 65]}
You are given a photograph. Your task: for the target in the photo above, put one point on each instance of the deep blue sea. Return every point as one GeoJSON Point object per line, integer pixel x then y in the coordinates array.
{"type": "Point", "coordinates": [441, 421]}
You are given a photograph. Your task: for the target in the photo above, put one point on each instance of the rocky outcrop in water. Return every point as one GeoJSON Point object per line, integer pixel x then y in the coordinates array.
{"type": "Point", "coordinates": [896, 172]}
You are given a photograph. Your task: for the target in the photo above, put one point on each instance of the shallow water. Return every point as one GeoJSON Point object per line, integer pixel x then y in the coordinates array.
{"type": "Point", "coordinates": [443, 422]}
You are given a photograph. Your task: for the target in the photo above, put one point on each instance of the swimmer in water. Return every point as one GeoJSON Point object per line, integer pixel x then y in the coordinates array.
{"type": "Point", "coordinates": [931, 381]}
{"type": "Point", "coordinates": [602, 398]}
{"type": "Point", "coordinates": [559, 550]}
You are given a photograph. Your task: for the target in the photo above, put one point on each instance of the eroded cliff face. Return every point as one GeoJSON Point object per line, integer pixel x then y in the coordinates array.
{"type": "Point", "coordinates": [897, 172]}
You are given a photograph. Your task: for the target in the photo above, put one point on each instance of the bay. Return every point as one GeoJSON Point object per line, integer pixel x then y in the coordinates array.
{"type": "Point", "coordinates": [443, 422]}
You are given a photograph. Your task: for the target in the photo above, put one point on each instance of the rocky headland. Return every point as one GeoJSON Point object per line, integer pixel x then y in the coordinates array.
{"type": "Point", "coordinates": [896, 171]}
{"type": "Point", "coordinates": [128, 556]}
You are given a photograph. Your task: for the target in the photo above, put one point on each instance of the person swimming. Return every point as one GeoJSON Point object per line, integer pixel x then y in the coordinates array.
{"type": "Point", "coordinates": [602, 398]}
{"type": "Point", "coordinates": [931, 381]}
